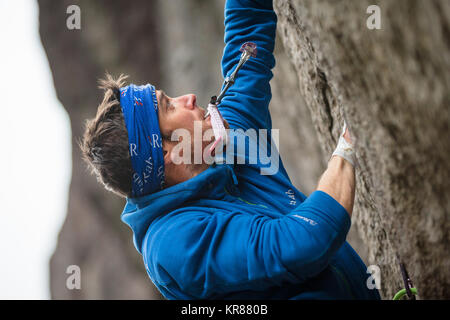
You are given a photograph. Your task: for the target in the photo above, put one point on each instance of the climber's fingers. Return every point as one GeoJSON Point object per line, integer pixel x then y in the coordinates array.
{"type": "Point", "coordinates": [347, 136]}
{"type": "Point", "coordinates": [344, 148]}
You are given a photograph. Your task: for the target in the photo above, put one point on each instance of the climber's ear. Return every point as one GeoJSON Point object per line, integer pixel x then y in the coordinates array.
{"type": "Point", "coordinates": [167, 149]}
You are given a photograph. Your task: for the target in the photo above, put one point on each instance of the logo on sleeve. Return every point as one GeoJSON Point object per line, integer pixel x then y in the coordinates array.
{"type": "Point", "coordinates": [310, 221]}
{"type": "Point", "coordinates": [290, 194]}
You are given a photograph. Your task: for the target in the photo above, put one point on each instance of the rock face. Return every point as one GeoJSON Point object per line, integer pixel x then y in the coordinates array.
{"type": "Point", "coordinates": [300, 150]}
{"type": "Point", "coordinates": [391, 86]}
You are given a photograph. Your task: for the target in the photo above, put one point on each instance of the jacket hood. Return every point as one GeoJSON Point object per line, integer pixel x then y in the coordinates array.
{"type": "Point", "coordinates": [140, 212]}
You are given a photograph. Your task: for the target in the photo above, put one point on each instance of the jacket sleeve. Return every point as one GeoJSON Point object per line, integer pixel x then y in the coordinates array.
{"type": "Point", "coordinates": [246, 102]}
{"type": "Point", "coordinates": [204, 254]}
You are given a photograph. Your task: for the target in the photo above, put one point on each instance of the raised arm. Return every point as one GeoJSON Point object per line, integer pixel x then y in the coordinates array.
{"type": "Point", "coordinates": [246, 103]}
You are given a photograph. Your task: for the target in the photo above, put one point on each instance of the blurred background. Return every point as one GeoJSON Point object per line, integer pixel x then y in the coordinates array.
{"type": "Point", "coordinates": [36, 164]}
{"type": "Point", "coordinates": [54, 213]}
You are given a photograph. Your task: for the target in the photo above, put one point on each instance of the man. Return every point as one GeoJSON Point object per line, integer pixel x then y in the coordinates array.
{"type": "Point", "coordinates": [221, 230]}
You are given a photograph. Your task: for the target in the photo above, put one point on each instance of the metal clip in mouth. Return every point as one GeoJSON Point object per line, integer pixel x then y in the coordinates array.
{"type": "Point", "coordinates": [248, 50]}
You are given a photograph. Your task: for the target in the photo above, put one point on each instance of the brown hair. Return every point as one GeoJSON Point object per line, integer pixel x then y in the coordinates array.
{"type": "Point", "coordinates": [104, 145]}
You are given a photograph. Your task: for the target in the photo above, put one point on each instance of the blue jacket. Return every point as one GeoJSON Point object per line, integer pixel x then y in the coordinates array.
{"type": "Point", "coordinates": [234, 233]}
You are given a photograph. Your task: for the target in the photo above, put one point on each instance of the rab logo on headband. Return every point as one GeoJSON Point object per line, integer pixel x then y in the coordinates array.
{"type": "Point", "coordinates": [140, 110]}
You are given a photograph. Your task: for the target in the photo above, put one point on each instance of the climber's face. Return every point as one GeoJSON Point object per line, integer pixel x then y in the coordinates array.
{"type": "Point", "coordinates": [179, 112]}
{"type": "Point", "coordinates": [183, 113]}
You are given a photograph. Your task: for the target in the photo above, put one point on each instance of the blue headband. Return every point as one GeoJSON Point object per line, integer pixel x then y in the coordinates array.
{"type": "Point", "coordinates": [140, 110]}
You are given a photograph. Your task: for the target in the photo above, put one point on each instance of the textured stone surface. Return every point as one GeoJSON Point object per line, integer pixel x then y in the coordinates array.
{"type": "Point", "coordinates": [300, 149]}
{"type": "Point", "coordinates": [392, 87]}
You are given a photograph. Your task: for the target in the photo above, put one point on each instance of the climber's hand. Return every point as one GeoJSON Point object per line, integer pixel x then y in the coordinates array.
{"type": "Point", "coordinates": [345, 146]}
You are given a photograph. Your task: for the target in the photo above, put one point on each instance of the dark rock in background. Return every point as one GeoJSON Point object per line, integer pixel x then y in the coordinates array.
{"type": "Point", "coordinates": [119, 37]}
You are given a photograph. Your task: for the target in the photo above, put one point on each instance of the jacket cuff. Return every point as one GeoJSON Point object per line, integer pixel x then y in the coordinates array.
{"type": "Point", "coordinates": [328, 209]}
